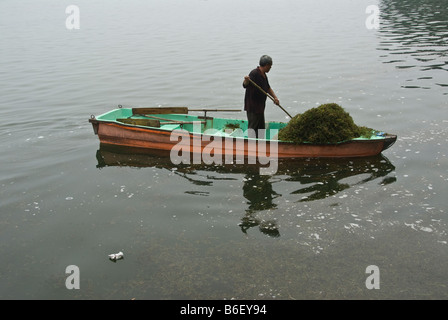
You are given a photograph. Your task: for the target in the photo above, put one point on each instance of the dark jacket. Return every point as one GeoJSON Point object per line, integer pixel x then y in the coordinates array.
{"type": "Point", "coordinates": [254, 99]}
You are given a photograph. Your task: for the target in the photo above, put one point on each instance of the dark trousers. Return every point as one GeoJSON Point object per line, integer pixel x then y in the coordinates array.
{"type": "Point", "coordinates": [256, 122]}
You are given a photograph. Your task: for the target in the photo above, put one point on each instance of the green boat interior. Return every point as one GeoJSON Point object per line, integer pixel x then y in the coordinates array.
{"type": "Point", "coordinates": [216, 126]}
{"type": "Point", "coordinates": [177, 118]}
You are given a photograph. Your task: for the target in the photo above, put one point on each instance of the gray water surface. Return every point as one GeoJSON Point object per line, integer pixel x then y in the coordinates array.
{"type": "Point", "coordinates": [308, 231]}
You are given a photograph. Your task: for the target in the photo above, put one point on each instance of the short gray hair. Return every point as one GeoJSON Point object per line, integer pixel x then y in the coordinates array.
{"type": "Point", "coordinates": [265, 60]}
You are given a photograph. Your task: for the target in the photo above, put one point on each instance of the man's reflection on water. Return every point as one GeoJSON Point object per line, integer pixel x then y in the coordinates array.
{"type": "Point", "coordinates": [309, 179]}
{"type": "Point", "coordinates": [258, 191]}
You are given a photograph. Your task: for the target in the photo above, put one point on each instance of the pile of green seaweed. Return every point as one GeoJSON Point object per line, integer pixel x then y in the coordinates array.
{"type": "Point", "coordinates": [327, 124]}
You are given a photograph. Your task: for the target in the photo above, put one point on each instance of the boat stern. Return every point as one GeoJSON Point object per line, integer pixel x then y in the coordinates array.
{"type": "Point", "coordinates": [95, 124]}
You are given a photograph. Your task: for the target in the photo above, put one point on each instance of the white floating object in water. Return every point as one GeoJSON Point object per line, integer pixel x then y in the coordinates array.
{"type": "Point", "coordinates": [116, 256]}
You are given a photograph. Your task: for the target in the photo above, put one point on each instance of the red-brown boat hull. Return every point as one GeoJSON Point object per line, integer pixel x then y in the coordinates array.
{"type": "Point", "coordinates": [149, 138]}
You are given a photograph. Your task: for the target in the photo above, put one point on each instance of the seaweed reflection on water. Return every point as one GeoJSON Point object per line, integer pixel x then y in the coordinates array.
{"type": "Point", "coordinates": [316, 179]}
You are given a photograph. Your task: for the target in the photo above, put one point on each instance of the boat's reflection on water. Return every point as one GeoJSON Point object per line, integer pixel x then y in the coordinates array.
{"type": "Point", "coordinates": [310, 179]}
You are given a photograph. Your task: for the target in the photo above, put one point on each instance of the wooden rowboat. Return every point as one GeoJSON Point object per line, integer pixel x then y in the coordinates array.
{"type": "Point", "coordinates": [173, 129]}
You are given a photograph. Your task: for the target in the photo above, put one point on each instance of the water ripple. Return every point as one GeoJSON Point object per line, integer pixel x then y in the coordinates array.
{"type": "Point", "coordinates": [416, 33]}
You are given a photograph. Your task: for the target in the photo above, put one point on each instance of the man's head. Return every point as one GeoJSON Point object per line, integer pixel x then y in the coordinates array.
{"type": "Point", "coordinates": [266, 63]}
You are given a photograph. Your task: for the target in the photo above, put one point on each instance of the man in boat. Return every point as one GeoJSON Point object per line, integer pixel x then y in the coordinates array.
{"type": "Point", "coordinates": [255, 99]}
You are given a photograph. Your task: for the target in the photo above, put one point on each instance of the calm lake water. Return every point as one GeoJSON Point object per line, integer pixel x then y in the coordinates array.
{"type": "Point", "coordinates": [309, 231]}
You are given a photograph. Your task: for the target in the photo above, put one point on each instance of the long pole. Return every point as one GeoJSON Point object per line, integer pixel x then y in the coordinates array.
{"type": "Point", "coordinates": [261, 89]}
